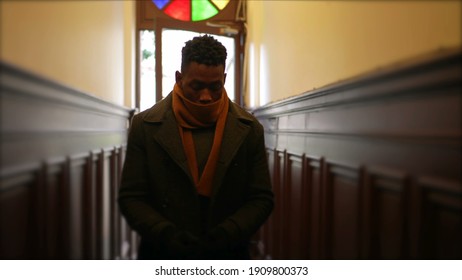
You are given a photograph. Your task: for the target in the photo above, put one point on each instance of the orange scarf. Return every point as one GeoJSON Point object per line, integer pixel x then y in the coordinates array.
{"type": "Point", "coordinates": [190, 115]}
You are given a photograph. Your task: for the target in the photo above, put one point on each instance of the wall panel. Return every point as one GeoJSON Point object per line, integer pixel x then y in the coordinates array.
{"type": "Point", "coordinates": [295, 215]}
{"type": "Point", "coordinates": [380, 176]}
{"type": "Point", "coordinates": [279, 195]}
{"type": "Point", "coordinates": [77, 174]}
{"type": "Point", "coordinates": [386, 214]}
{"type": "Point", "coordinates": [342, 208]}
{"type": "Point", "coordinates": [55, 175]}
{"type": "Point", "coordinates": [441, 219]}
{"type": "Point", "coordinates": [17, 219]}
{"type": "Point", "coordinates": [62, 153]}
{"type": "Point", "coordinates": [313, 188]}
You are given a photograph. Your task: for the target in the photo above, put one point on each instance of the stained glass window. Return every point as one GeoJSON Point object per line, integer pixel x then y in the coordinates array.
{"type": "Point", "coordinates": [191, 10]}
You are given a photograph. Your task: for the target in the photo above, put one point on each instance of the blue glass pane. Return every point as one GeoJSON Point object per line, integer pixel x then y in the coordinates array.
{"type": "Point", "coordinates": [160, 3]}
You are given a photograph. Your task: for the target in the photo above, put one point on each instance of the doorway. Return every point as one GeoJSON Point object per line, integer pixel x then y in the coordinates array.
{"type": "Point", "coordinates": [171, 42]}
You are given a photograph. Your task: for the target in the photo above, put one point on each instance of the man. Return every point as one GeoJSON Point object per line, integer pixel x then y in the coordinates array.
{"type": "Point", "coordinates": [195, 183]}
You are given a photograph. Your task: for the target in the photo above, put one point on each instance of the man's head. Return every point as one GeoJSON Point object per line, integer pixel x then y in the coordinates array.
{"type": "Point", "coordinates": [202, 76]}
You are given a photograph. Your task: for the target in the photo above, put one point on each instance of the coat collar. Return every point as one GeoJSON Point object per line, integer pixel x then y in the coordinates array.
{"type": "Point", "coordinates": [236, 129]}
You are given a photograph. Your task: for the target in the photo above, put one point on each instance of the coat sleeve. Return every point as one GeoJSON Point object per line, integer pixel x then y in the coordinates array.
{"type": "Point", "coordinates": [259, 201]}
{"type": "Point", "coordinates": [134, 197]}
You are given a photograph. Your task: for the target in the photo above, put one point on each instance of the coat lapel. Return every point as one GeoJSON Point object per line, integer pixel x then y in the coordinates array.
{"type": "Point", "coordinates": [233, 136]}
{"type": "Point", "coordinates": [169, 138]}
{"type": "Point", "coordinates": [168, 135]}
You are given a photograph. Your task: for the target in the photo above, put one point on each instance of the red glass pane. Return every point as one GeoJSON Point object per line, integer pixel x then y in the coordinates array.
{"type": "Point", "coordinates": [179, 9]}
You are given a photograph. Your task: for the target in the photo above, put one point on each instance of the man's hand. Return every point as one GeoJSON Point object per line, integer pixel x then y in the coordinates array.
{"type": "Point", "coordinates": [180, 244]}
{"type": "Point", "coordinates": [216, 243]}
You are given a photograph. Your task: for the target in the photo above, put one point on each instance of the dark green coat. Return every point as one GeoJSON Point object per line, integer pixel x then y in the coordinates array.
{"type": "Point", "coordinates": [157, 187]}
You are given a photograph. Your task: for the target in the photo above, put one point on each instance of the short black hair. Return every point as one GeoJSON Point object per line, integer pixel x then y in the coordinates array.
{"type": "Point", "coordinates": [203, 50]}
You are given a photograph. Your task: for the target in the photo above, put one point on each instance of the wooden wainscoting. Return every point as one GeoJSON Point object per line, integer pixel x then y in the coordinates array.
{"type": "Point", "coordinates": [369, 168]}
{"type": "Point", "coordinates": [62, 153]}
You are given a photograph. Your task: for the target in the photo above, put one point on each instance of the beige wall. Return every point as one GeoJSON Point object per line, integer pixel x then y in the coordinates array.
{"type": "Point", "coordinates": [87, 45]}
{"type": "Point", "coordinates": [295, 46]}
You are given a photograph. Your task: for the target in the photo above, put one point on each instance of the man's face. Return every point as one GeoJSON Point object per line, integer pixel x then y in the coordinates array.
{"type": "Point", "coordinates": [202, 83]}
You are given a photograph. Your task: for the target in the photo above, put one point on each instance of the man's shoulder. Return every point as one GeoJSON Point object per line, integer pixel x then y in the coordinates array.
{"type": "Point", "coordinates": [242, 113]}
{"type": "Point", "coordinates": [246, 117]}
{"type": "Point", "coordinates": [157, 112]}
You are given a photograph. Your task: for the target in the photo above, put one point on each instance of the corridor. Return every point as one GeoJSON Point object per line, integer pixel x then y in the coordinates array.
{"type": "Point", "coordinates": [360, 102]}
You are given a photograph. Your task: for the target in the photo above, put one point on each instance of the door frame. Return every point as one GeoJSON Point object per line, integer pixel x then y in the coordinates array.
{"type": "Point", "coordinates": [162, 23]}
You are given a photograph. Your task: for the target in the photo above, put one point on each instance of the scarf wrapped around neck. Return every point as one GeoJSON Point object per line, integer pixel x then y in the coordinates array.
{"type": "Point", "coordinates": [191, 115]}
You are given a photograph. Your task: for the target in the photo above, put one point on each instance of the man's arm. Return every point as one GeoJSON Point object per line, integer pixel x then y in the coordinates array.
{"type": "Point", "coordinates": [134, 197]}
{"type": "Point", "coordinates": [259, 200]}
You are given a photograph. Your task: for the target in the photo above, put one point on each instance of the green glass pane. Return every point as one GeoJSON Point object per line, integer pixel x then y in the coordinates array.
{"type": "Point", "coordinates": [202, 9]}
